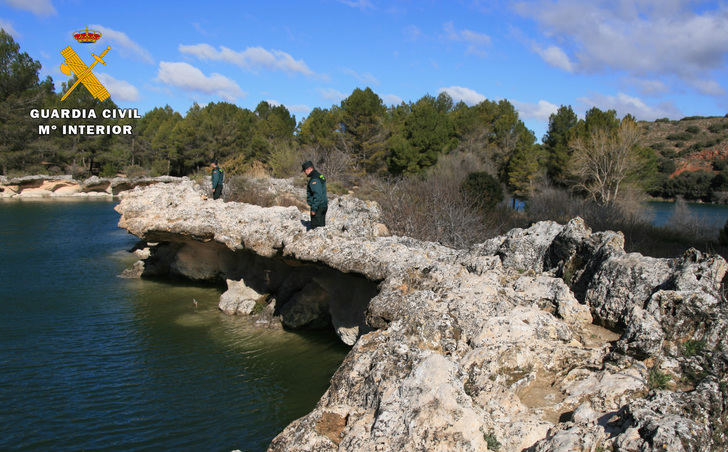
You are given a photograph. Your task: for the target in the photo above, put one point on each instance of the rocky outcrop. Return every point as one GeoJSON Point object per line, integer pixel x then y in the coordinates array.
{"type": "Point", "coordinates": [547, 338]}
{"type": "Point", "coordinates": [66, 186]}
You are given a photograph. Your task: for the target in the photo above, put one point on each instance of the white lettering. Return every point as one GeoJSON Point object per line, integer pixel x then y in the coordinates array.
{"type": "Point", "coordinates": [121, 113]}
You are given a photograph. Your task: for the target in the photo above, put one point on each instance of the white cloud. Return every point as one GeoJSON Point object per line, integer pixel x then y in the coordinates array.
{"type": "Point", "coordinates": [650, 87]}
{"type": "Point", "coordinates": [635, 106]}
{"type": "Point", "coordinates": [412, 33]}
{"type": "Point", "coordinates": [708, 87]}
{"type": "Point", "coordinates": [366, 78]}
{"type": "Point", "coordinates": [119, 89]}
{"type": "Point", "coordinates": [37, 7]}
{"type": "Point", "coordinates": [299, 108]}
{"type": "Point", "coordinates": [460, 93]}
{"type": "Point", "coordinates": [361, 4]}
{"type": "Point", "coordinates": [199, 29]}
{"type": "Point", "coordinates": [642, 37]}
{"type": "Point", "coordinates": [391, 99]}
{"type": "Point", "coordinates": [252, 58]}
{"type": "Point", "coordinates": [128, 46]}
{"type": "Point", "coordinates": [476, 41]}
{"type": "Point", "coordinates": [189, 78]}
{"type": "Point", "coordinates": [332, 94]}
{"type": "Point", "coordinates": [540, 110]}
{"type": "Point", "coordinates": [295, 108]}
{"type": "Point", "coordinates": [556, 57]}
{"type": "Point", "coordinates": [8, 27]}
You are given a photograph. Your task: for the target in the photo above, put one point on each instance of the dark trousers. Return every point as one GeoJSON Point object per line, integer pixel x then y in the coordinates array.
{"type": "Point", "coordinates": [217, 192]}
{"type": "Point", "coordinates": [320, 218]}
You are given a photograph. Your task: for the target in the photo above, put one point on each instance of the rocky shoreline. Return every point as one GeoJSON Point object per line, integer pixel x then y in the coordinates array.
{"type": "Point", "coordinates": [543, 339]}
{"type": "Point", "coordinates": [41, 186]}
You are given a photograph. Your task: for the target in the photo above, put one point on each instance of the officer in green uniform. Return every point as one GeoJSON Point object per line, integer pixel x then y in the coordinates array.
{"type": "Point", "coordinates": [316, 195]}
{"type": "Point", "coordinates": [217, 177]}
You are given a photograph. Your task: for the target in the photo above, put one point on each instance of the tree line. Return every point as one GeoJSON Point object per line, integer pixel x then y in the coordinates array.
{"type": "Point", "coordinates": [598, 156]}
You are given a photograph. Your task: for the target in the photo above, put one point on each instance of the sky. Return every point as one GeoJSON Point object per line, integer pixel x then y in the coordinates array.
{"type": "Point", "coordinates": [649, 58]}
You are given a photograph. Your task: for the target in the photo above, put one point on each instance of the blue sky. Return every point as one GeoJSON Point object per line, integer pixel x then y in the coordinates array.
{"type": "Point", "coordinates": [651, 58]}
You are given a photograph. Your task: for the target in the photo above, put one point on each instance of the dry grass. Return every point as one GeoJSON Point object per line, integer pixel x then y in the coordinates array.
{"type": "Point", "coordinates": [257, 191]}
{"type": "Point", "coordinates": [433, 207]}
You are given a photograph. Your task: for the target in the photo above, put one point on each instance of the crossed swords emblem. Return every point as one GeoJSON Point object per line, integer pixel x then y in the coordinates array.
{"type": "Point", "coordinates": [84, 73]}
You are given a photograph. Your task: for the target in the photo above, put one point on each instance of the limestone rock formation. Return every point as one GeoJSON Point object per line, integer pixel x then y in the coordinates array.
{"type": "Point", "coordinates": [41, 186]}
{"type": "Point", "coordinates": [239, 298]}
{"type": "Point", "coordinates": [547, 338]}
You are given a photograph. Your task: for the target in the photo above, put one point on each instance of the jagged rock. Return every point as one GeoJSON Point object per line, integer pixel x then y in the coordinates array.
{"type": "Point", "coordinates": [676, 421]}
{"type": "Point", "coordinates": [553, 295]}
{"type": "Point", "coordinates": [238, 298]}
{"type": "Point", "coordinates": [135, 271]}
{"type": "Point", "coordinates": [143, 253]}
{"type": "Point", "coordinates": [523, 249]}
{"type": "Point", "coordinates": [490, 343]}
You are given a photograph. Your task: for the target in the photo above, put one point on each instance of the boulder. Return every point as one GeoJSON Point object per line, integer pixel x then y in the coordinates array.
{"type": "Point", "coordinates": [239, 298]}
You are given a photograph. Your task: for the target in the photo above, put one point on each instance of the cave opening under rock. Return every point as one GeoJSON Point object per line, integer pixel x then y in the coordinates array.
{"type": "Point", "coordinates": [276, 290]}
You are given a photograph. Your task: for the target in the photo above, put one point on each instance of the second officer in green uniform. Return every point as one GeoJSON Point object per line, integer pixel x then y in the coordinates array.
{"type": "Point", "coordinates": [316, 195]}
{"type": "Point", "coordinates": [217, 179]}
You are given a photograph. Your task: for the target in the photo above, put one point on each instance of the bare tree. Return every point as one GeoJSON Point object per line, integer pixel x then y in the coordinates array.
{"type": "Point", "coordinates": [604, 159]}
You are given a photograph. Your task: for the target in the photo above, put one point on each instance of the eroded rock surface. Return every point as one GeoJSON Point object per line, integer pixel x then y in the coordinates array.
{"type": "Point", "coordinates": [491, 346]}
{"type": "Point", "coordinates": [41, 186]}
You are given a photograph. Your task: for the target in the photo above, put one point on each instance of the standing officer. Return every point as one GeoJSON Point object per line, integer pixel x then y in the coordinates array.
{"type": "Point", "coordinates": [217, 177]}
{"type": "Point", "coordinates": [316, 195]}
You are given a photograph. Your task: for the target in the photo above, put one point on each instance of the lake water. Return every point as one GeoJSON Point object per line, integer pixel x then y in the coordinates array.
{"type": "Point", "coordinates": [90, 361]}
{"type": "Point", "coordinates": [711, 215]}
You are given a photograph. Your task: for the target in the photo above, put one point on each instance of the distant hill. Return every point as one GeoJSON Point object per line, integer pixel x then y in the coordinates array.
{"type": "Point", "coordinates": [694, 143]}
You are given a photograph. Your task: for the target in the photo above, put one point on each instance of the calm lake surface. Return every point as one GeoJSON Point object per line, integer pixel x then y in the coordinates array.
{"type": "Point", "coordinates": [712, 215]}
{"type": "Point", "coordinates": [90, 361]}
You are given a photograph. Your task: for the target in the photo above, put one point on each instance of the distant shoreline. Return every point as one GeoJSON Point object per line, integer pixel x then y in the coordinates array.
{"type": "Point", "coordinates": [692, 201]}
{"type": "Point", "coordinates": [41, 187]}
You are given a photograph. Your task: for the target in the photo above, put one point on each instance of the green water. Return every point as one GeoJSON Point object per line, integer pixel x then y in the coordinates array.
{"type": "Point", "coordinates": [90, 361]}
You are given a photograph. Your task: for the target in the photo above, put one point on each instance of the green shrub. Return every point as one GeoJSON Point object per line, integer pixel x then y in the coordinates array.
{"type": "Point", "coordinates": [657, 379]}
{"type": "Point", "coordinates": [679, 136]}
{"type": "Point", "coordinates": [493, 443]}
{"type": "Point", "coordinates": [692, 129]}
{"type": "Point", "coordinates": [692, 348]}
{"type": "Point", "coordinates": [482, 189]}
{"type": "Point", "coordinates": [666, 166]}
{"type": "Point", "coordinates": [260, 304]}
{"type": "Point", "coordinates": [662, 120]}
{"type": "Point", "coordinates": [669, 153]}
{"type": "Point", "coordinates": [159, 168]}
{"type": "Point", "coordinates": [134, 171]}
{"type": "Point", "coordinates": [336, 188]}
{"type": "Point", "coordinates": [284, 160]}
{"type": "Point", "coordinates": [108, 170]}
